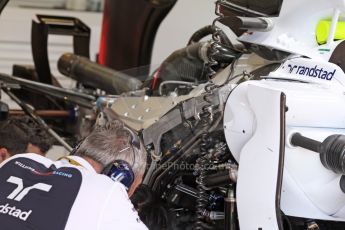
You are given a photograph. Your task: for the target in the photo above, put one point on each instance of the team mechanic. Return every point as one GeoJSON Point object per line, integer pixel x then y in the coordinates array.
{"type": "Point", "coordinates": [71, 193]}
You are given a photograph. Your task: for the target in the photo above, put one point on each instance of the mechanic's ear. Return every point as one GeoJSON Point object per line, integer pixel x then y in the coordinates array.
{"type": "Point", "coordinates": [4, 154]}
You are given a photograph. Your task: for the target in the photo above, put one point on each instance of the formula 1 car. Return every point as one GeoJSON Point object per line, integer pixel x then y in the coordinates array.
{"type": "Point", "coordinates": [245, 130]}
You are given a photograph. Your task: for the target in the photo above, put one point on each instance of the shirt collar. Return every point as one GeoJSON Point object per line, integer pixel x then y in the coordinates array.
{"type": "Point", "coordinates": [82, 162]}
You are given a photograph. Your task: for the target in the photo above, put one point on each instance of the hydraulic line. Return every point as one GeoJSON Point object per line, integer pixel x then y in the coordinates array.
{"type": "Point", "coordinates": [206, 118]}
{"type": "Point", "coordinates": [209, 30]}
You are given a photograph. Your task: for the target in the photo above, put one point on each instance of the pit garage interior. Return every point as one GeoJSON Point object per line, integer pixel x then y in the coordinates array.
{"type": "Point", "coordinates": [234, 111]}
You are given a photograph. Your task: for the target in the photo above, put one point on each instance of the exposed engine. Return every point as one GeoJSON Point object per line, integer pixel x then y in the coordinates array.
{"type": "Point", "coordinates": [218, 124]}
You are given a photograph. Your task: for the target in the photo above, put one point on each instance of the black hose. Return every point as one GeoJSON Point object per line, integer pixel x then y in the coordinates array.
{"type": "Point", "coordinates": [209, 30]}
{"type": "Point", "coordinates": [188, 63]}
{"type": "Point", "coordinates": [200, 34]}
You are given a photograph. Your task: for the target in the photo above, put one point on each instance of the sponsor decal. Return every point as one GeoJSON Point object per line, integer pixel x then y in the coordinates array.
{"type": "Point", "coordinates": [59, 173]}
{"type": "Point", "coordinates": [18, 194]}
{"type": "Point", "coordinates": [314, 71]}
{"type": "Point", "coordinates": [15, 212]}
{"type": "Point", "coordinates": [56, 172]}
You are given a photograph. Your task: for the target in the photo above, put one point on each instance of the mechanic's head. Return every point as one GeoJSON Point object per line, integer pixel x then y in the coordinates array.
{"type": "Point", "coordinates": [114, 142]}
{"type": "Point", "coordinates": [39, 140]}
{"type": "Point", "coordinates": [12, 141]}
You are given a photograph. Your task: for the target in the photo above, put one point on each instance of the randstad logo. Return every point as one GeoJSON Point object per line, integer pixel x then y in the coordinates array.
{"type": "Point", "coordinates": [18, 194]}
{"type": "Point", "coordinates": [312, 72]}
{"type": "Point", "coordinates": [15, 212]}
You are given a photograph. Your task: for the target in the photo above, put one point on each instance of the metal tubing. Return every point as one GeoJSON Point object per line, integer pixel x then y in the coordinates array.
{"type": "Point", "coordinates": [42, 113]}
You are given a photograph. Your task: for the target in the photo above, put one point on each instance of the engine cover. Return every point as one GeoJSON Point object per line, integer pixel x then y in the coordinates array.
{"type": "Point", "coordinates": [315, 110]}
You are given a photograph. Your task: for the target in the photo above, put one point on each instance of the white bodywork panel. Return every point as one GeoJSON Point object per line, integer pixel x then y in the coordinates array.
{"type": "Point", "coordinates": [308, 70]}
{"type": "Point", "coordinates": [294, 29]}
{"type": "Point", "coordinates": [315, 110]}
{"type": "Point", "coordinates": [259, 163]}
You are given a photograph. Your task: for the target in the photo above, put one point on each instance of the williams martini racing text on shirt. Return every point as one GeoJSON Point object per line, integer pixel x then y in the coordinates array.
{"type": "Point", "coordinates": [312, 72]}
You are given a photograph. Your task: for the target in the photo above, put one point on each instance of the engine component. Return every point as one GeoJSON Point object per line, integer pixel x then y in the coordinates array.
{"type": "Point", "coordinates": [186, 64]}
{"type": "Point", "coordinates": [230, 222]}
{"type": "Point", "coordinates": [332, 150]}
{"type": "Point", "coordinates": [206, 117]}
{"type": "Point", "coordinates": [47, 113]}
{"type": "Point", "coordinates": [187, 190]}
{"type": "Point", "coordinates": [208, 30]}
{"type": "Point", "coordinates": [298, 140]}
{"type": "Point", "coordinates": [312, 226]}
{"type": "Point", "coordinates": [260, 24]}
{"type": "Point", "coordinates": [221, 178]}
{"type": "Point", "coordinates": [87, 72]}
{"type": "Point", "coordinates": [332, 153]}
{"type": "Point", "coordinates": [213, 215]}
{"type": "Point", "coordinates": [213, 199]}
{"type": "Point", "coordinates": [192, 63]}
{"type": "Point", "coordinates": [201, 201]}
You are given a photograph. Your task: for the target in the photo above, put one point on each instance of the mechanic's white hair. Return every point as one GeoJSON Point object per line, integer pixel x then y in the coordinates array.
{"type": "Point", "coordinates": [113, 142]}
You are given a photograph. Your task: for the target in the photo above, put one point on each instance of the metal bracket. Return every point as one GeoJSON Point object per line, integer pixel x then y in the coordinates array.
{"type": "Point", "coordinates": [154, 133]}
{"type": "Point", "coordinates": [194, 106]}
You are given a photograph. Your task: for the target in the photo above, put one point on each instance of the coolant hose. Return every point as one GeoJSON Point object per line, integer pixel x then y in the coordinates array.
{"type": "Point", "coordinates": [209, 30]}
